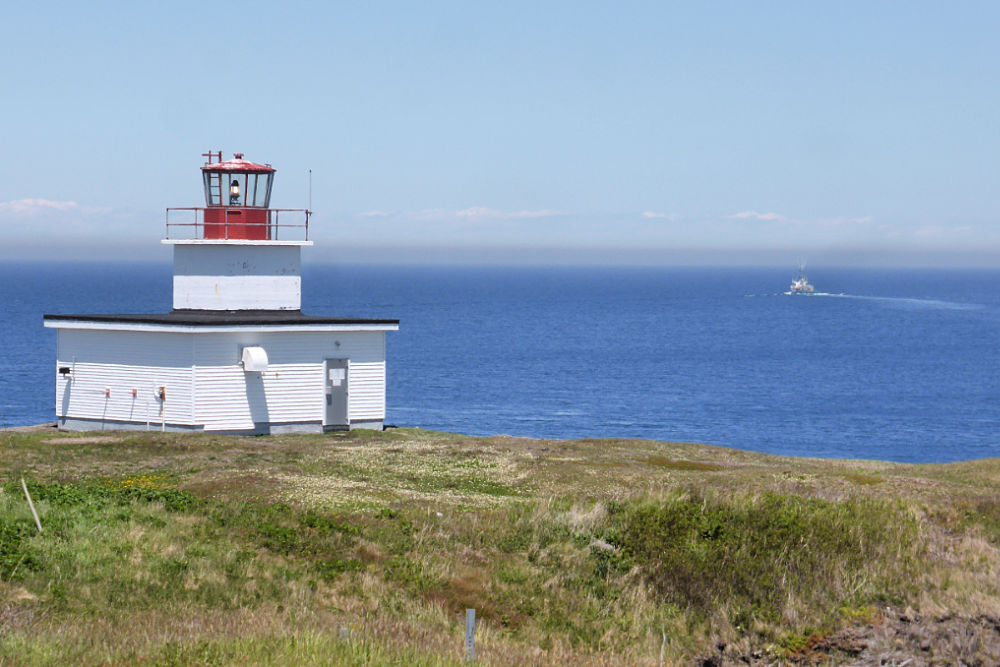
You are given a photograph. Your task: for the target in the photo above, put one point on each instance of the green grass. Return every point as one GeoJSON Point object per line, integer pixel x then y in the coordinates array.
{"type": "Point", "coordinates": [859, 478]}
{"type": "Point", "coordinates": [983, 514]}
{"type": "Point", "coordinates": [299, 648]}
{"type": "Point", "coordinates": [750, 554]}
{"type": "Point", "coordinates": [196, 549]}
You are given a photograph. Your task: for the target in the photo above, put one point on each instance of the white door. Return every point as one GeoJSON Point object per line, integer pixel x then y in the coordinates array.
{"type": "Point", "coordinates": [335, 375]}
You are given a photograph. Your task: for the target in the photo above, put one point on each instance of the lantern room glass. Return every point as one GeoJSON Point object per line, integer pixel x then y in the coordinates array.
{"type": "Point", "coordinates": [261, 195]}
{"type": "Point", "coordinates": [240, 189]}
{"type": "Point", "coordinates": [212, 191]}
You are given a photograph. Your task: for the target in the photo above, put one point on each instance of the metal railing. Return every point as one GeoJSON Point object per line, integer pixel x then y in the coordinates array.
{"type": "Point", "coordinates": [234, 223]}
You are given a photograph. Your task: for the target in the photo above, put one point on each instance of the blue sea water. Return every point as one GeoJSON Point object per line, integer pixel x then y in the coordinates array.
{"type": "Point", "coordinates": [885, 364]}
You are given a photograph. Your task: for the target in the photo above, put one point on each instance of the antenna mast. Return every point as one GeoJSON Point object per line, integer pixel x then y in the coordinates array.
{"type": "Point", "coordinates": [310, 190]}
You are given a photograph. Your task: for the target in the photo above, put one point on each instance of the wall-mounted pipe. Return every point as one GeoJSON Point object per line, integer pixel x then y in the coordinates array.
{"type": "Point", "coordinates": [162, 395]}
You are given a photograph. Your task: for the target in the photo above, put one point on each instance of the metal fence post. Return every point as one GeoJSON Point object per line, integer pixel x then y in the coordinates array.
{"type": "Point", "coordinates": [470, 635]}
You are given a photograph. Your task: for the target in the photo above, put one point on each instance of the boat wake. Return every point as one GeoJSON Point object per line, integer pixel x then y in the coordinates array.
{"type": "Point", "coordinates": [901, 301]}
{"type": "Point", "coordinates": [914, 302]}
{"type": "Point", "coordinates": [811, 294]}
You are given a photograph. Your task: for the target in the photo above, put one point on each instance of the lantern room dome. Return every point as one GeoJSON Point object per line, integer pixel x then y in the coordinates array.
{"type": "Point", "coordinates": [237, 183]}
{"type": "Point", "coordinates": [238, 164]}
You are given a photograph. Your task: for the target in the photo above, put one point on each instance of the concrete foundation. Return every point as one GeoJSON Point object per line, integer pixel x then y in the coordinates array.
{"type": "Point", "coordinates": [76, 424]}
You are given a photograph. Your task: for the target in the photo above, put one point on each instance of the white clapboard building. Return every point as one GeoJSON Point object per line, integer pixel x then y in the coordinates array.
{"type": "Point", "coordinates": [236, 354]}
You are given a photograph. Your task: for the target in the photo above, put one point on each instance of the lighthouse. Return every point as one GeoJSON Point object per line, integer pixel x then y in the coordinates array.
{"type": "Point", "coordinates": [235, 354]}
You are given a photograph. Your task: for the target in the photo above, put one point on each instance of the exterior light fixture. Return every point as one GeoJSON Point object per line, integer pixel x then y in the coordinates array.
{"type": "Point", "coordinates": [234, 192]}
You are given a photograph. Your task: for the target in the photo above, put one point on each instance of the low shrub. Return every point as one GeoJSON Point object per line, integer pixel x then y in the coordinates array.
{"type": "Point", "coordinates": [753, 554]}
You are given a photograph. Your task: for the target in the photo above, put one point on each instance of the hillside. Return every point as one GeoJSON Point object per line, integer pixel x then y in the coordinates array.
{"type": "Point", "coordinates": [366, 548]}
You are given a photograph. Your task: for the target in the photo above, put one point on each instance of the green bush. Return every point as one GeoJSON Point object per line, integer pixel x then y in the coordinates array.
{"type": "Point", "coordinates": [99, 494]}
{"type": "Point", "coordinates": [16, 554]}
{"type": "Point", "coordinates": [984, 513]}
{"type": "Point", "coordinates": [752, 553]}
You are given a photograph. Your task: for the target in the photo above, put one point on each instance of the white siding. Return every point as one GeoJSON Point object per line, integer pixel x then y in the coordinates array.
{"type": "Point", "coordinates": [229, 277]}
{"type": "Point", "coordinates": [228, 398]}
{"type": "Point", "coordinates": [292, 389]}
{"type": "Point", "coordinates": [237, 292]}
{"type": "Point", "coordinates": [125, 347]}
{"type": "Point", "coordinates": [205, 384]}
{"type": "Point", "coordinates": [121, 362]}
{"type": "Point", "coordinates": [366, 387]}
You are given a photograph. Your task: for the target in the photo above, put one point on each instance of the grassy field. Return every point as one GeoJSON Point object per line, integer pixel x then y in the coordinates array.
{"type": "Point", "coordinates": [366, 548]}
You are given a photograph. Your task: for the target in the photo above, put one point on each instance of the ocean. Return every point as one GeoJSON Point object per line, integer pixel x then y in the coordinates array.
{"type": "Point", "coordinates": [897, 365]}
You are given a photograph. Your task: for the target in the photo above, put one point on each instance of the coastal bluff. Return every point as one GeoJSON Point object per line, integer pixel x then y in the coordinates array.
{"type": "Point", "coordinates": [367, 547]}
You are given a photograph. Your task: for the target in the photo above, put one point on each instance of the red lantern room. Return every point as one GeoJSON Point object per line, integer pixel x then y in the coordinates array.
{"type": "Point", "coordinates": [237, 206]}
{"type": "Point", "coordinates": [237, 193]}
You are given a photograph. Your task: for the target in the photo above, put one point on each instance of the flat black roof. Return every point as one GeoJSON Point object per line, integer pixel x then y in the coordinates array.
{"type": "Point", "coordinates": [210, 318]}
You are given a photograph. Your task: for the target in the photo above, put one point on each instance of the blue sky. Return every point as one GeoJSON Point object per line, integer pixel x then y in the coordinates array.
{"type": "Point", "coordinates": [709, 132]}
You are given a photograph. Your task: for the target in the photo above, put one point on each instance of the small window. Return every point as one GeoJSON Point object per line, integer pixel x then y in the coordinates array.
{"type": "Point", "coordinates": [253, 191]}
{"type": "Point", "coordinates": [211, 189]}
{"type": "Point", "coordinates": [263, 190]}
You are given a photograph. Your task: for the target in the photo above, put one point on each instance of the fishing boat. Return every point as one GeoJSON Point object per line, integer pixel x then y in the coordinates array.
{"type": "Point", "coordinates": [801, 284]}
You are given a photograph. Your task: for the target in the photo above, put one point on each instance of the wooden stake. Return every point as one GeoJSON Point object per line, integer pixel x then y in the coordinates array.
{"type": "Point", "coordinates": [31, 505]}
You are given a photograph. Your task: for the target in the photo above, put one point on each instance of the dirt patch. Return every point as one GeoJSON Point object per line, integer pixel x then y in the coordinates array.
{"type": "Point", "coordinates": [952, 640]}
{"type": "Point", "coordinates": [681, 464]}
{"type": "Point", "coordinates": [29, 429]}
{"type": "Point", "coordinates": [470, 590]}
{"type": "Point", "coordinates": [913, 640]}
{"type": "Point", "coordinates": [93, 440]}
{"type": "Point", "coordinates": [233, 486]}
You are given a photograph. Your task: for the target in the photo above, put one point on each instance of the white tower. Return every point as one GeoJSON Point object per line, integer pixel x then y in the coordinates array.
{"type": "Point", "coordinates": [237, 253]}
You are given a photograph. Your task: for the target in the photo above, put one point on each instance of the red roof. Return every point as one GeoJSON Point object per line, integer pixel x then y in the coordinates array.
{"type": "Point", "coordinates": [238, 164]}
